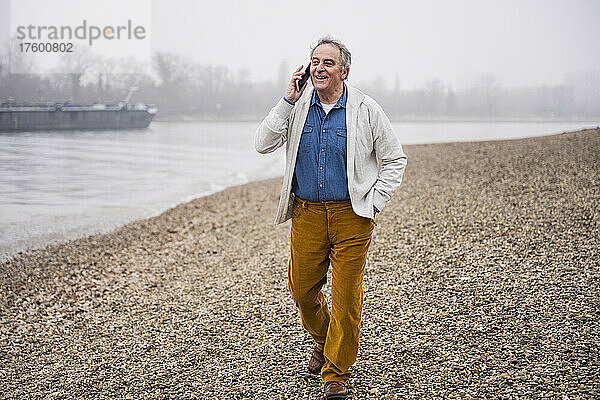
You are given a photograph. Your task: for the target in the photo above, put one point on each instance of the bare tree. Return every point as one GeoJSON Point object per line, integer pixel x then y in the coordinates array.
{"type": "Point", "coordinates": [75, 65]}
{"type": "Point", "coordinates": [487, 90]}
{"type": "Point", "coordinates": [17, 79]}
{"type": "Point", "coordinates": [17, 61]}
{"type": "Point", "coordinates": [434, 96]}
{"type": "Point", "coordinates": [166, 65]}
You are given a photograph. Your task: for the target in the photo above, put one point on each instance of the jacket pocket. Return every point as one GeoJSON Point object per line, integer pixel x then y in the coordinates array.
{"type": "Point", "coordinates": [296, 210]}
{"type": "Point", "coordinates": [306, 139]}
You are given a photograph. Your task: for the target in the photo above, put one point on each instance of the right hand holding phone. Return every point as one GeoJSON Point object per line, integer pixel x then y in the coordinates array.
{"type": "Point", "coordinates": [291, 93]}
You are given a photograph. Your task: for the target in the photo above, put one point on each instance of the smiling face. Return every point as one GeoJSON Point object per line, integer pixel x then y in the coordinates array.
{"type": "Point", "coordinates": [325, 70]}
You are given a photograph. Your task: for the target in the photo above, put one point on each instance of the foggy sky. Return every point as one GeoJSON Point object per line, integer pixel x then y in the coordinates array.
{"type": "Point", "coordinates": [520, 42]}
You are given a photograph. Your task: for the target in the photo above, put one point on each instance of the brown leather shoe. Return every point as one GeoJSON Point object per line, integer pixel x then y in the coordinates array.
{"type": "Point", "coordinates": [316, 362]}
{"type": "Point", "coordinates": [336, 390]}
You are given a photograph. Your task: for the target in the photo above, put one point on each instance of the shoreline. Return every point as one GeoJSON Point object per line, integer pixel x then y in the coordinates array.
{"type": "Point", "coordinates": [39, 240]}
{"type": "Point", "coordinates": [482, 281]}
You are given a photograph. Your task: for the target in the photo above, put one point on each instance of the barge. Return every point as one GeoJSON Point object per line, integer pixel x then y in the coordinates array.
{"type": "Point", "coordinates": [66, 116]}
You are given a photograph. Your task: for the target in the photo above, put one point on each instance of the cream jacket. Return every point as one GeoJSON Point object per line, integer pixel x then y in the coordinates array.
{"type": "Point", "coordinates": [375, 161]}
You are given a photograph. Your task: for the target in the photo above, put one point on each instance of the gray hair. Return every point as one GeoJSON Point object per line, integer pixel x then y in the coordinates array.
{"type": "Point", "coordinates": [345, 57]}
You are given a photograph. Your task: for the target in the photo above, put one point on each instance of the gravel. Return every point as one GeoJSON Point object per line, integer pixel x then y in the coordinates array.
{"type": "Point", "coordinates": [482, 282]}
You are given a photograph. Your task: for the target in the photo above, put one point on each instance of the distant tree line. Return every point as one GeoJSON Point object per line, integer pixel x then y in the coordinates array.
{"type": "Point", "coordinates": [184, 89]}
{"type": "Point", "coordinates": [486, 98]}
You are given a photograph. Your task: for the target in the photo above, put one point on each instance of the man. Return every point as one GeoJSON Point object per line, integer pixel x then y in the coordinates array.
{"type": "Point", "coordinates": [343, 163]}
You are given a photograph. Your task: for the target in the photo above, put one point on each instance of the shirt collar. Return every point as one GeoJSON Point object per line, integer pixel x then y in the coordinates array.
{"type": "Point", "coordinates": [341, 103]}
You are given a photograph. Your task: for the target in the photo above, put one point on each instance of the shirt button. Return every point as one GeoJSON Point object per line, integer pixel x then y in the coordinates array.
{"type": "Point", "coordinates": [321, 168]}
{"type": "Point", "coordinates": [322, 149]}
{"type": "Point", "coordinates": [321, 185]}
{"type": "Point", "coordinates": [323, 130]}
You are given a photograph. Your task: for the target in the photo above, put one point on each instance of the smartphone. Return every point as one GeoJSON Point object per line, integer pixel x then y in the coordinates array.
{"type": "Point", "coordinates": [300, 83]}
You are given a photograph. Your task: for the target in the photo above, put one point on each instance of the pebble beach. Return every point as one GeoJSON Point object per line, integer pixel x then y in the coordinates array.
{"type": "Point", "coordinates": [482, 282]}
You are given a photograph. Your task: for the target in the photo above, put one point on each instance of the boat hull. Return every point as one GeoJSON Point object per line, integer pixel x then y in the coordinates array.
{"type": "Point", "coordinates": [28, 120]}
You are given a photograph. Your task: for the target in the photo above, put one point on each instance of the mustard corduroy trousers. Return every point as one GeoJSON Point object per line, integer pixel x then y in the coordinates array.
{"type": "Point", "coordinates": [324, 234]}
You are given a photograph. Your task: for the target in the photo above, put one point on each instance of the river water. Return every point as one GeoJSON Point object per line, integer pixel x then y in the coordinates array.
{"type": "Point", "coordinates": [56, 186]}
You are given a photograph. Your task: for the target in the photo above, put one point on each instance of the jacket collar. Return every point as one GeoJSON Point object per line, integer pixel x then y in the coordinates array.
{"type": "Point", "coordinates": [341, 103]}
{"type": "Point", "coordinates": [353, 99]}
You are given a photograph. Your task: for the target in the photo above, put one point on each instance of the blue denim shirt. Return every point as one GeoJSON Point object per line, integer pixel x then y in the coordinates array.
{"type": "Point", "coordinates": [320, 173]}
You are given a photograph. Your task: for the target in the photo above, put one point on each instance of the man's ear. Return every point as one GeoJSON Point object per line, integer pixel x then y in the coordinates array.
{"type": "Point", "coordinates": [345, 73]}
